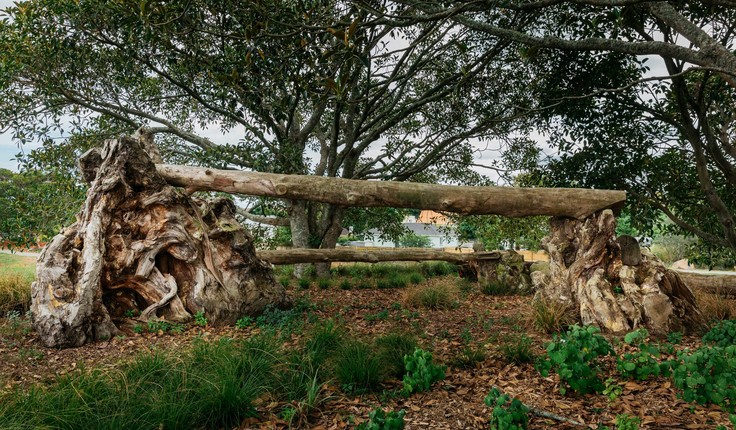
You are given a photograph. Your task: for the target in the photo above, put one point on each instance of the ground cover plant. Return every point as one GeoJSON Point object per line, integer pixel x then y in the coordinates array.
{"type": "Point", "coordinates": [308, 354]}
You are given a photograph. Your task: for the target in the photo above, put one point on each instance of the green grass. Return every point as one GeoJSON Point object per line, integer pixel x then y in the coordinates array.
{"type": "Point", "coordinates": [392, 348]}
{"type": "Point", "coordinates": [213, 385]}
{"type": "Point", "coordinates": [358, 368]}
{"type": "Point", "coordinates": [16, 275]}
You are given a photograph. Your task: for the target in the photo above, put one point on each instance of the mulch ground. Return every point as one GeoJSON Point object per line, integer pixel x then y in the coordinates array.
{"type": "Point", "coordinates": [454, 403]}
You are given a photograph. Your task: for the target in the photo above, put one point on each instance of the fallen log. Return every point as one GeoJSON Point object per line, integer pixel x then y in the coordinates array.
{"type": "Point", "coordinates": [714, 283]}
{"type": "Point", "coordinates": [505, 201]}
{"type": "Point", "coordinates": [497, 267]}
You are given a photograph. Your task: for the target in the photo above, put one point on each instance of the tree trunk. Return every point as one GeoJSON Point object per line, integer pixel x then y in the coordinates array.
{"type": "Point", "coordinates": [586, 271]}
{"type": "Point", "coordinates": [506, 201]}
{"type": "Point", "coordinates": [139, 244]}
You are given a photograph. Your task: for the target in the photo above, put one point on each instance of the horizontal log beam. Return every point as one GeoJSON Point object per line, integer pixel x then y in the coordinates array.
{"type": "Point", "coordinates": [505, 201]}
{"type": "Point", "coordinates": [298, 255]}
{"type": "Point", "coordinates": [719, 284]}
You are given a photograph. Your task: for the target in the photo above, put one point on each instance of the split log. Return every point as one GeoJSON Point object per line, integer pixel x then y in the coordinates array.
{"type": "Point", "coordinates": [141, 244]}
{"type": "Point", "coordinates": [505, 201]}
{"type": "Point", "coordinates": [586, 272]}
{"type": "Point", "coordinates": [714, 283]}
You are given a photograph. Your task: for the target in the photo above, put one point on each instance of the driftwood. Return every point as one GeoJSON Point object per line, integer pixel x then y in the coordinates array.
{"type": "Point", "coordinates": [586, 272]}
{"type": "Point", "coordinates": [506, 201]}
{"type": "Point", "coordinates": [140, 244]}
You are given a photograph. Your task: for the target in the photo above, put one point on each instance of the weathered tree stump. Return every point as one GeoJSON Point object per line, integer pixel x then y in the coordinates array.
{"type": "Point", "coordinates": [509, 270]}
{"type": "Point", "coordinates": [586, 271]}
{"type": "Point", "coordinates": [141, 244]}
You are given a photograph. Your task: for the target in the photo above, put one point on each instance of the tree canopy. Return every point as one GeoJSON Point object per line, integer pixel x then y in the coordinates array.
{"type": "Point", "coordinates": [628, 94]}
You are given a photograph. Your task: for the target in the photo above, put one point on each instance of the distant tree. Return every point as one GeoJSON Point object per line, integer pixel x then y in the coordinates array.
{"type": "Point", "coordinates": [413, 240]}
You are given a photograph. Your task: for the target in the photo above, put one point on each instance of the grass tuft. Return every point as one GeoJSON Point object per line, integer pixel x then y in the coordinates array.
{"type": "Point", "coordinates": [552, 316]}
{"type": "Point", "coordinates": [358, 368]}
{"type": "Point", "coordinates": [432, 296]}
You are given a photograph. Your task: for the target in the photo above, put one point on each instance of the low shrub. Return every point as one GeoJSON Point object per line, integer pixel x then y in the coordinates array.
{"type": "Point", "coordinates": [345, 284]}
{"type": "Point", "coordinates": [421, 372]}
{"type": "Point", "coordinates": [574, 356]}
{"type": "Point", "coordinates": [507, 413]}
{"type": "Point", "coordinates": [722, 333]}
{"type": "Point", "coordinates": [642, 363]}
{"type": "Point", "coordinates": [707, 375]}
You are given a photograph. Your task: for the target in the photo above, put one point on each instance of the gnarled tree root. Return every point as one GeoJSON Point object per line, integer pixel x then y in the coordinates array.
{"type": "Point", "coordinates": [141, 244]}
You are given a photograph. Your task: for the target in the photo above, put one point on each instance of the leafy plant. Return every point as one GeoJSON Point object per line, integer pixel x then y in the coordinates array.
{"type": "Point", "coordinates": [378, 419]}
{"type": "Point", "coordinates": [722, 334]}
{"type": "Point", "coordinates": [625, 422]}
{"type": "Point", "coordinates": [244, 323]}
{"type": "Point", "coordinates": [641, 364]}
{"type": "Point", "coordinates": [574, 356]}
{"type": "Point", "coordinates": [708, 375]}
{"type": "Point", "coordinates": [200, 319]}
{"type": "Point", "coordinates": [285, 281]}
{"type": "Point", "coordinates": [421, 372]}
{"type": "Point", "coordinates": [154, 326]}
{"type": "Point", "coordinates": [508, 413]}
{"type": "Point", "coordinates": [612, 390]}
{"type": "Point", "coordinates": [304, 283]}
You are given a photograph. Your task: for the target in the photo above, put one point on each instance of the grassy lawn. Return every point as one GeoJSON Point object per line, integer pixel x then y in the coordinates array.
{"type": "Point", "coordinates": [16, 274]}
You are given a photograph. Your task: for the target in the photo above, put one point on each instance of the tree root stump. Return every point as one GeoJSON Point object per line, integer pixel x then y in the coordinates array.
{"type": "Point", "coordinates": [507, 269]}
{"type": "Point", "coordinates": [586, 272]}
{"type": "Point", "coordinates": [140, 244]}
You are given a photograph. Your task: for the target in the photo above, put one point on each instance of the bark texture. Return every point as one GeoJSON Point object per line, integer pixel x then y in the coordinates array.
{"type": "Point", "coordinates": [586, 271]}
{"type": "Point", "coordinates": [141, 244]}
{"type": "Point", "coordinates": [506, 201]}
